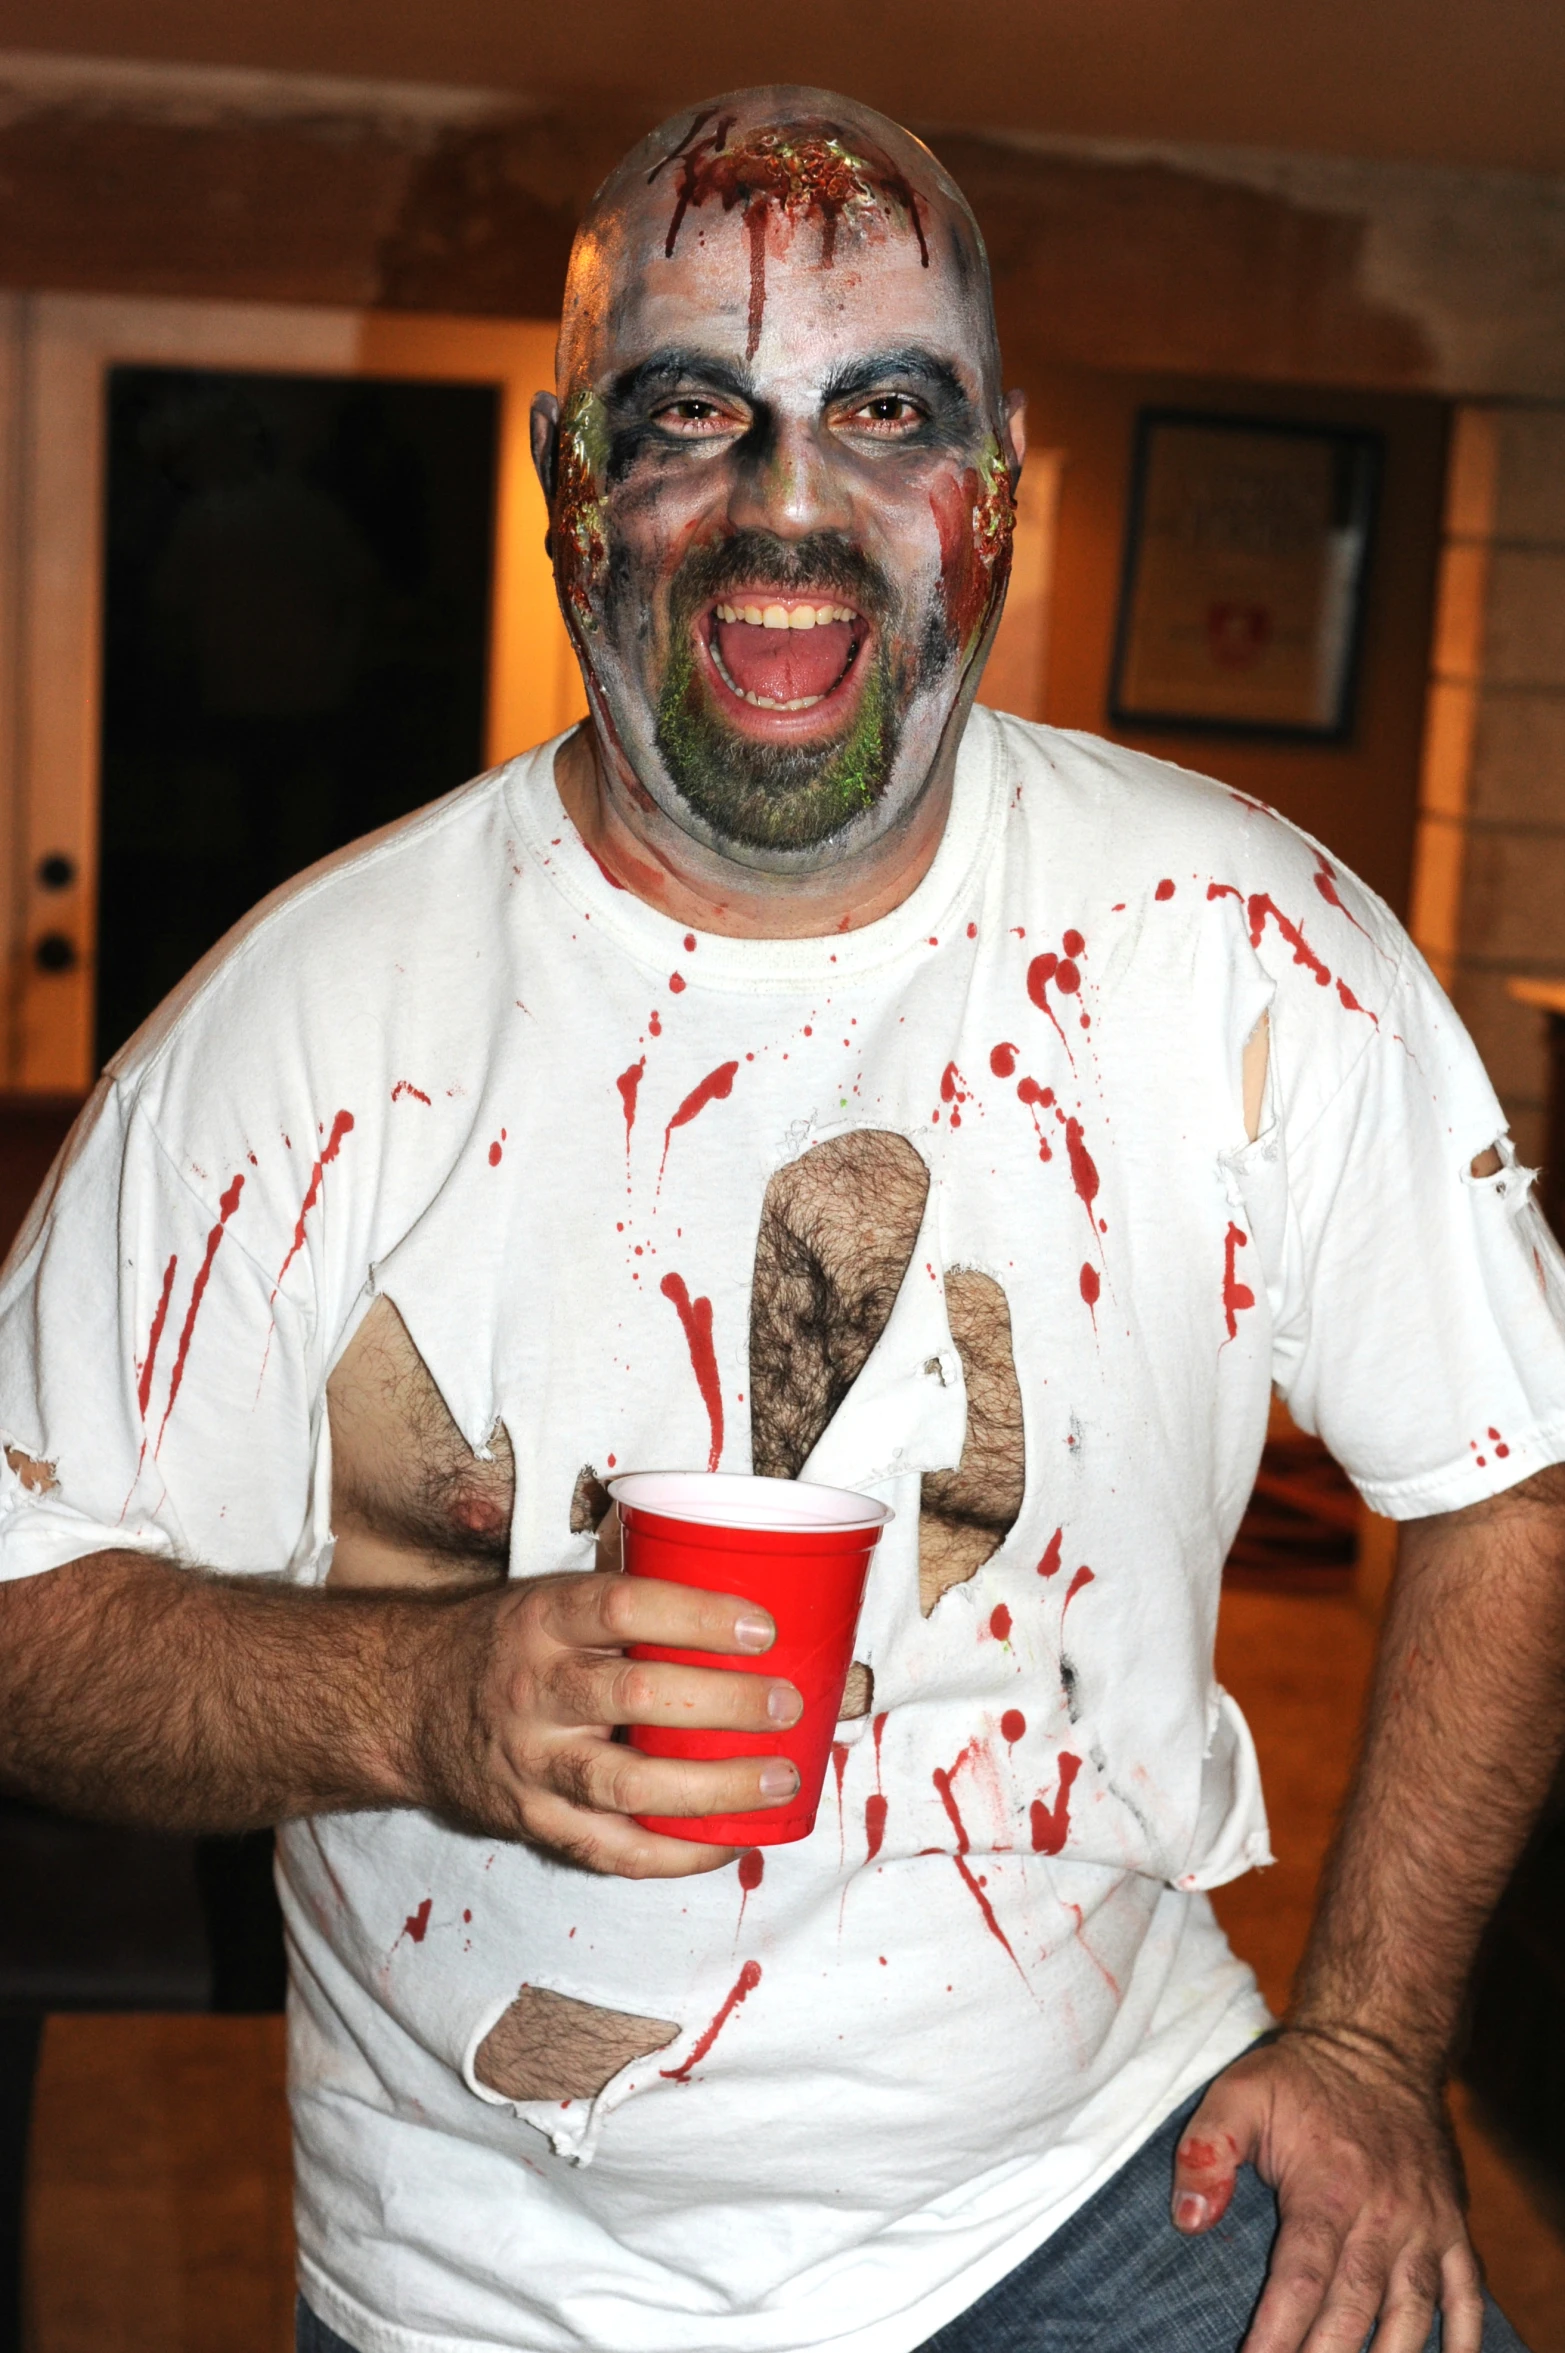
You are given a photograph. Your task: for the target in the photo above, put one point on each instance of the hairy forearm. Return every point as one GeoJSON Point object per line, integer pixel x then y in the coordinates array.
{"type": "Point", "coordinates": [1465, 1728]}
{"type": "Point", "coordinates": [138, 1692]}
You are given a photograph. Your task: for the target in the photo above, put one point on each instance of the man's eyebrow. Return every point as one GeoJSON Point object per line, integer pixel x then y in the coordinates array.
{"type": "Point", "coordinates": [677, 366]}
{"type": "Point", "coordinates": [910, 362]}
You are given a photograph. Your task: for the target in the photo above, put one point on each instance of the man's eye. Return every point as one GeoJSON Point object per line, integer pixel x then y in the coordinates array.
{"type": "Point", "coordinates": [888, 415]}
{"type": "Point", "coordinates": [694, 418]}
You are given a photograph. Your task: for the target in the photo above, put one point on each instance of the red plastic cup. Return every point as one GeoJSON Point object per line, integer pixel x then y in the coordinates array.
{"type": "Point", "coordinates": [801, 1552]}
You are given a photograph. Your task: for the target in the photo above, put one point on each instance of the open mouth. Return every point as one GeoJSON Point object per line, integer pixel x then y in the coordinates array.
{"type": "Point", "coordinates": [792, 662]}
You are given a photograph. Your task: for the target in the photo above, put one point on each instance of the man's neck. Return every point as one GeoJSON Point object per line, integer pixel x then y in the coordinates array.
{"type": "Point", "coordinates": [643, 851]}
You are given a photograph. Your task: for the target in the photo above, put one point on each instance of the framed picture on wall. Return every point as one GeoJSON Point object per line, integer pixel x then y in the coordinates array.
{"type": "Point", "coordinates": [1242, 596]}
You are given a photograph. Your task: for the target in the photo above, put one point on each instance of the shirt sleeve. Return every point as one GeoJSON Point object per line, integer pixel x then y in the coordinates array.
{"type": "Point", "coordinates": [156, 1388]}
{"type": "Point", "coordinates": [1418, 1311]}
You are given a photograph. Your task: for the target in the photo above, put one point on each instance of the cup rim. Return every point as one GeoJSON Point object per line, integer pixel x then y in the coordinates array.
{"type": "Point", "coordinates": [742, 1501]}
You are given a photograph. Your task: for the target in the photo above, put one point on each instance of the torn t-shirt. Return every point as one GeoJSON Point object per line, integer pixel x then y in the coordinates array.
{"type": "Point", "coordinates": [460, 1068]}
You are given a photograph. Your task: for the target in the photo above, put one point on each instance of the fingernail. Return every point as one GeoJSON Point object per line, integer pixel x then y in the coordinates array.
{"type": "Point", "coordinates": [783, 1704]}
{"type": "Point", "coordinates": [779, 1778]}
{"type": "Point", "coordinates": [754, 1633]}
{"type": "Point", "coordinates": [1190, 2212]}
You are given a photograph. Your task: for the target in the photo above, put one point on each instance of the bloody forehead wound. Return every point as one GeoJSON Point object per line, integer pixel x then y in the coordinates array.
{"type": "Point", "coordinates": [791, 158]}
{"type": "Point", "coordinates": [802, 170]}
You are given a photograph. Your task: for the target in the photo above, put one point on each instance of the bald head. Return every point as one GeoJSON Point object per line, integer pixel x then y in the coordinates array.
{"type": "Point", "coordinates": [786, 160]}
{"type": "Point", "coordinates": [780, 472]}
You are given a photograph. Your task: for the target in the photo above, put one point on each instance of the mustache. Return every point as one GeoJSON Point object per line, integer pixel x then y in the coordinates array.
{"type": "Point", "coordinates": [825, 563]}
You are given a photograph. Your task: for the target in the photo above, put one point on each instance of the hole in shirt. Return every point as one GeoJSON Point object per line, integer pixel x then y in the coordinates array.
{"type": "Point", "coordinates": [1257, 1054]}
{"type": "Point", "coordinates": [1488, 1163]}
{"type": "Point", "coordinates": [412, 1503]}
{"type": "Point", "coordinates": [37, 1477]}
{"type": "Point", "coordinates": [858, 1695]}
{"type": "Point", "coordinates": [590, 1502]}
{"type": "Point", "coordinates": [549, 2046]}
{"type": "Point", "coordinates": [838, 1230]}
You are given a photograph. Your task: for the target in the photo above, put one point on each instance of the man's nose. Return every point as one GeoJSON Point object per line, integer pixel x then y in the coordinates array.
{"type": "Point", "coordinates": [789, 485]}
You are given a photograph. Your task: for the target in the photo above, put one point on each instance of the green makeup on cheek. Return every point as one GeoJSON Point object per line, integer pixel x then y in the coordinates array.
{"type": "Point", "coordinates": [581, 521]}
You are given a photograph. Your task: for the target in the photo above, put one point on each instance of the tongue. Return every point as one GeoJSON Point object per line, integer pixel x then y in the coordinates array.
{"type": "Point", "coordinates": [783, 664]}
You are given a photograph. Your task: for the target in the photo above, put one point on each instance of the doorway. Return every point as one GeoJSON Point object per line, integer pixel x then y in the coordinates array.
{"type": "Point", "coordinates": [295, 641]}
{"type": "Point", "coordinates": [404, 637]}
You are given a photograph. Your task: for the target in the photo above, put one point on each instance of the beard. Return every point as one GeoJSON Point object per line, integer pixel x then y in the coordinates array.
{"type": "Point", "coordinates": [781, 797]}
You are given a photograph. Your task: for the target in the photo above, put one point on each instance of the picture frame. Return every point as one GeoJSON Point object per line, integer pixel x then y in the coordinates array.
{"type": "Point", "coordinates": [1242, 592]}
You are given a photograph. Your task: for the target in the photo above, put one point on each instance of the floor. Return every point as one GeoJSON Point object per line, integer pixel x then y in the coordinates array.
{"type": "Point", "coordinates": [159, 2220]}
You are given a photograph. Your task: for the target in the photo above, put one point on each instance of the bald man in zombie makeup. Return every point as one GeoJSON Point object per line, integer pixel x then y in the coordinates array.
{"type": "Point", "coordinates": [797, 1070]}
{"type": "Point", "coordinates": [782, 526]}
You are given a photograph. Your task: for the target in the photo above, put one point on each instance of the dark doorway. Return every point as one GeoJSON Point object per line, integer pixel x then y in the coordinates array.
{"type": "Point", "coordinates": [297, 587]}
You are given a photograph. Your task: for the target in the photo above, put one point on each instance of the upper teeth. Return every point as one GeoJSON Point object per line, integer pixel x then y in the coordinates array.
{"type": "Point", "coordinates": [784, 617]}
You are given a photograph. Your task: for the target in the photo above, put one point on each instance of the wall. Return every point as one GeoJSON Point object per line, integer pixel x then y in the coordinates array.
{"type": "Point", "coordinates": [1490, 907]}
{"type": "Point", "coordinates": [1359, 797]}
{"type": "Point", "coordinates": [1251, 263]}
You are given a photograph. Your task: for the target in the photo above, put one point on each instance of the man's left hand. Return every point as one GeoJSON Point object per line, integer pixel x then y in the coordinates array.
{"type": "Point", "coordinates": [1368, 2182]}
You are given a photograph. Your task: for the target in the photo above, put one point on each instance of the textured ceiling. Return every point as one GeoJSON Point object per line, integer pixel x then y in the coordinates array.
{"type": "Point", "coordinates": [1472, 82]}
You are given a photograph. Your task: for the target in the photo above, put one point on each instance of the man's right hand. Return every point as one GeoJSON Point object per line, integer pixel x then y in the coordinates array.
{"type": "Point", "coordinates": [511, 1721]}
{"type": "Point", "coordinates": [136, 1691]}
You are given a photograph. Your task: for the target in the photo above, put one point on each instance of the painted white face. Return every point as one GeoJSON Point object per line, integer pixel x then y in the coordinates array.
{"type": "Point", "coordinates": [782, 513]}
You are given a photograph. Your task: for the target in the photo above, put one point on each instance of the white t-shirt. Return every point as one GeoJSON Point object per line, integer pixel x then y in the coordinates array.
{"type": "Point", "coordinates": [459, 1067]}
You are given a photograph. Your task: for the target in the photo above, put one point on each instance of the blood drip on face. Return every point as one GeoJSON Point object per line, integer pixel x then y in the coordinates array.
{"type": "Point", "coordinates": [975, 518]}
{"type": "Point", "coordinates": [795, 171]}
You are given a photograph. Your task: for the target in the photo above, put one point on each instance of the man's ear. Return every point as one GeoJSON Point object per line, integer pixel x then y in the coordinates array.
{"type": "Point", "coordinates": [544, 426]}
{"type": "Point", "coordinates": [1016, 432]}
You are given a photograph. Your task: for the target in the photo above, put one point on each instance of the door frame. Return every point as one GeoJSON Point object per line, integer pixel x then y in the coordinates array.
{"type": "Point", "coordinates": [55, 354]}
